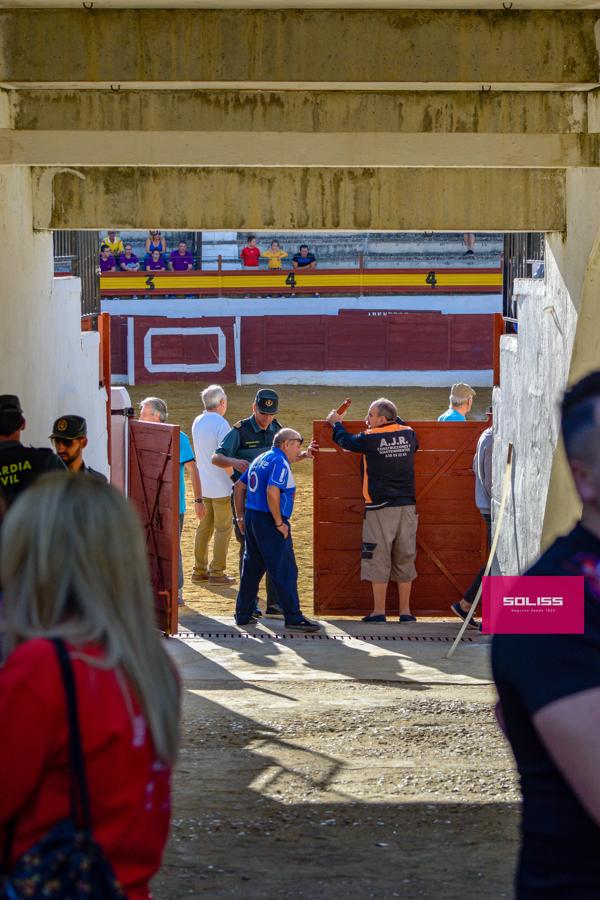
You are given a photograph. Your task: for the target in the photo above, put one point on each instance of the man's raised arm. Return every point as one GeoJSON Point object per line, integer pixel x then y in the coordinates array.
{"type": "Point", "coordinates": [347, 441]}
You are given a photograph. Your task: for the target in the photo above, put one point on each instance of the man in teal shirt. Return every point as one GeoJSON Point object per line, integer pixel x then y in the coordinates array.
{"type": "Point", "coordinates": [461, 401]}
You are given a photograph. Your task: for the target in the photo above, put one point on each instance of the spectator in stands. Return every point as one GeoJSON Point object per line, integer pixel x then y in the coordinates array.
{"type": "Point", "coordinates": [275, 254]}
{"type": "Point", "coordinates": [250, 253]}
{"type": "Point", "coordinates": [156, 263]}
{"type": "Point", "coordinates": [89, 589]}
{"type": "Point", "coordinates": [155, 241]}
{"type": "Point", "coordinates": [461, 401]}
{"type": "Point", "coordinates": [107, 261]}
{"type": "Point", "coordinates": [114, 243]}
{"type": "Point", "coordinates": [129, 261]}
{"type": "Point", "coordinates": [181, 260]}
{"type": "Point", "coordinates": [469, 242]}
{"type": "Point", "coordinates": [153, 409]}
{"type": "Point", "coordinates": [304, 259]}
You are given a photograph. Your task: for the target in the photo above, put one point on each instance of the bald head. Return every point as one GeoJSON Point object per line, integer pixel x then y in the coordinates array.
{"type": "Point", "coordinates": [290, 442]}
{"type": "Point", "coordinates": [286, 434]}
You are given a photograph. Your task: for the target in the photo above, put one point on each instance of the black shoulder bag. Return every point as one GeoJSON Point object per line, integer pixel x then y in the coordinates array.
{"type": "Point", "coordinates": [67, 863]}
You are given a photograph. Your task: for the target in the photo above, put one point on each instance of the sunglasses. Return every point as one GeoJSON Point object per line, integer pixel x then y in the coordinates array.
{"type": "Point", "coordinates": [65, 442]}
{"type": "Point", "coordinates": [297, 440]}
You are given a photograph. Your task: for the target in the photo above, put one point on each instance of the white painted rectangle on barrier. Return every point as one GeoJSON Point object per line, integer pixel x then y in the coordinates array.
{"type": "Point", "coordinates": [214, 366]}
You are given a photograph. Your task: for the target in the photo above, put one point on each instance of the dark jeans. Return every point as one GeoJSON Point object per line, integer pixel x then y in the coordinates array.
{"type": "Point", "coordinates": [266, 550]}
{"type": "Point", "coordinates": [471, 591]}
{"type": "Point", "coordinates": [272, 595]}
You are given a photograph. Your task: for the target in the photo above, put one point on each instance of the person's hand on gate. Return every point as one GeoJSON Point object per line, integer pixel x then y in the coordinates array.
{"type": "Point", "coordinates": [310, 452]}
{"type": "Point", "coordinates": [334, 417]}
{"type": "Point", "coordinates": [200, 509]}
{"type": "Point", "coordinates": [240, 465]}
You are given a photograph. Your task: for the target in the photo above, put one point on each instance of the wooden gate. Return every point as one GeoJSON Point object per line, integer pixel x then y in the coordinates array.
{"type": "Point", "coordinates": [451, 539]}
{"type": "Point", "coordinates": [153, 486]}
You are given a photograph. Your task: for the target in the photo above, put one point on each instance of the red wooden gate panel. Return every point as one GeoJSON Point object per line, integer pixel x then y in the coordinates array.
{"type": "Point", "coordinates": [154, 489]}
{"type": "Point", "coordinates": [451, 539]}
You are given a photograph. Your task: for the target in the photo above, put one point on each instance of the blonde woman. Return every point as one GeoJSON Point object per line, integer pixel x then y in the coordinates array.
{"type": "Point", "coordinates": [73, 566]}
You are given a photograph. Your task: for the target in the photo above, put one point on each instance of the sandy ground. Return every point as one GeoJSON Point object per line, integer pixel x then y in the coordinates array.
{"type": "Point", "coordinates": [341, 789]}
{"type": "Point", "coordinates": [333, 788]}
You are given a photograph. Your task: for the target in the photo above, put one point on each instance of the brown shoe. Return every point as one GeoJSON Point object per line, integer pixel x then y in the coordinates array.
{"type": "Point", "coordinates": [198, 579]}
{"type": "Point", "coordinates": [221, 579]}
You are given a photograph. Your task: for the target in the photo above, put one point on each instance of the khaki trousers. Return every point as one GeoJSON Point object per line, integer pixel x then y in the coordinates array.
{"type": "Point", "coordinates": [218, 521]}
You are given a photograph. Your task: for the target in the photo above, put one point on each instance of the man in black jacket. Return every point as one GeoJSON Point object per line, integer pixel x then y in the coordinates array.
{"type": "Point", "coordinates": [389, 546]}
{"type": "Point", "coordinates": [19, 465]}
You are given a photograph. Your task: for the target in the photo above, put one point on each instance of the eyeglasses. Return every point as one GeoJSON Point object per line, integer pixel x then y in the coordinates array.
{"type": "Point", "coordinates": [65, 442]}
{"type": "Point", "coordinates": [297, 440]}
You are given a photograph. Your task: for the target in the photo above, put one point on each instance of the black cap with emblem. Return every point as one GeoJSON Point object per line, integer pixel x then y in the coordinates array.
{"type": "Point", "coordinates": [267, 401]}
{"type": "Point", "coordinates": [69, 427]}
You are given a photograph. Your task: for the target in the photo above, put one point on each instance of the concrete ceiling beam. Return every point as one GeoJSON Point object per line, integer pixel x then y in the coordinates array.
{"type": "Point", "coordinates": [342, 48]}
{"type": "Point", "coordinates": [513, 112]}
{"type": "Point", "coordinates": [338, 150]}
{"type": "Point", "coordinates": [301, 198]}
{"type": "Point", "coordinates": [296, 4]}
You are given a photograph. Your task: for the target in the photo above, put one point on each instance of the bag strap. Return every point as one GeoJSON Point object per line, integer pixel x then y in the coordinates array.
{"type": "Point", "coordinates": [80, 799]}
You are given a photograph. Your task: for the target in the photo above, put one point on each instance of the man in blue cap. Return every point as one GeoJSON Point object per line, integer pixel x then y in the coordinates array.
{"type": "Point", "coordinates": [267, 488]}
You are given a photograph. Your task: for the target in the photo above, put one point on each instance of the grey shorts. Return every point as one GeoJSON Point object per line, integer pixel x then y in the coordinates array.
{"type": "Point", "coordinates": [389, 544]}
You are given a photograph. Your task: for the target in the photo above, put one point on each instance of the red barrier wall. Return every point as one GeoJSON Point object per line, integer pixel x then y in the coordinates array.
{"type": "Point", "coordinates": [203, 348]}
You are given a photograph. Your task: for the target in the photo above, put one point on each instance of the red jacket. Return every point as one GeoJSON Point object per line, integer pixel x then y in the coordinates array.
{"type": "Point", "coordinates": [129, 788]}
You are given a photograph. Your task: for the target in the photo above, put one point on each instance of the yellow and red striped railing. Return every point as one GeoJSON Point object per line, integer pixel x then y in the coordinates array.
{"type": "Point", "coordinates": [319, 281]}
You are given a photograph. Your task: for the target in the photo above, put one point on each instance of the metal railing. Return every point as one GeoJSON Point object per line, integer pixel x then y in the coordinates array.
{"type": "Point", "coordinates": [523, 257]}
{"type": "Point", "coordinates": [76, 253]}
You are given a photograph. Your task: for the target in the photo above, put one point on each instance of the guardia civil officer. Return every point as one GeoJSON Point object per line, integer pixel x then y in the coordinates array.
{"type": "Point", "coordinates": [241, 445]}
{"type": "Point", "coordinates": [267, 490]}
{"type": "Point", "coordinates": [69, 436]}
{"type": "Point", "coordinates": [19, 465]}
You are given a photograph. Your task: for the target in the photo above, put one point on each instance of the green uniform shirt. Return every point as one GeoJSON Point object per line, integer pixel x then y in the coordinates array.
{"type": "Point", "coordinates": [247, 440]}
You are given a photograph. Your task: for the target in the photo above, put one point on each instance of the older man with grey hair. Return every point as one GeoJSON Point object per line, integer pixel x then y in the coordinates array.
{"type": "Point", "coordinates": [208, 431]}
{"type": "Point", "coordinates": [388, 448]}
{"type": "Point", "coordinates": [461, 401]}
{"type": "Point", "coordinates": [153, 409]}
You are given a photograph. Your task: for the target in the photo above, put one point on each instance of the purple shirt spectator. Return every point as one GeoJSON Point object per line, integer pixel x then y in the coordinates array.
{"type": "Point", "coordinates": [109, 264]}
{"type": "Point", "coordinates": [181, 262]}
{"type": "Point", "coordinates": [155, 265]}
{"type": "Point", "coordinates": [129, 262]}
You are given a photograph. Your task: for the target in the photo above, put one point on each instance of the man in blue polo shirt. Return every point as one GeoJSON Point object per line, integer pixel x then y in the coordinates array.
{"type": "Point", "coordinates": [461, 401]}
{"type": "Point", "coordinates": [268, 488]}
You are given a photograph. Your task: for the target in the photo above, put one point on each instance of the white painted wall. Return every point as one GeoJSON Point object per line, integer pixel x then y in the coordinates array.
{"type": "Point", "coordinates": [534, 367]}
{"type": "Point", "coordinates": [44, 357]}
{"type": "Point", "coordinates": [458, 304]}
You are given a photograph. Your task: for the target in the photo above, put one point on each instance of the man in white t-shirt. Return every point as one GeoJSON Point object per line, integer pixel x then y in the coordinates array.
{"type": "Point", "coordinates": [208, 431]}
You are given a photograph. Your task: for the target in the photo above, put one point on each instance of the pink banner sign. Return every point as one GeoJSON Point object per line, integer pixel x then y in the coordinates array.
{"type": "Point", "coordinates": [533, 604]}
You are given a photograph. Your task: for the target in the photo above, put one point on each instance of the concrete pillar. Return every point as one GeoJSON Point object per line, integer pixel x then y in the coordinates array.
{"type": "Point", "coordinates": [578, 255]}
{"type": "Point", "coordinates": [558, 342]}
{"type": "Point", "coordinates": [44, 357]}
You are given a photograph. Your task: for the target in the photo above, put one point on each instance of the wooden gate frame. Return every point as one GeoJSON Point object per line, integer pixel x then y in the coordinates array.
{"type": "Point", "coordinates": [467, 435]}
{"type": "Point", "coordinates": [153, 508]}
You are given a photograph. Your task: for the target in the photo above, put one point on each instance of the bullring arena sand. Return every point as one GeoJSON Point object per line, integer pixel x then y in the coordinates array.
{"type": "Point", "coordinates": [320, 786]}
